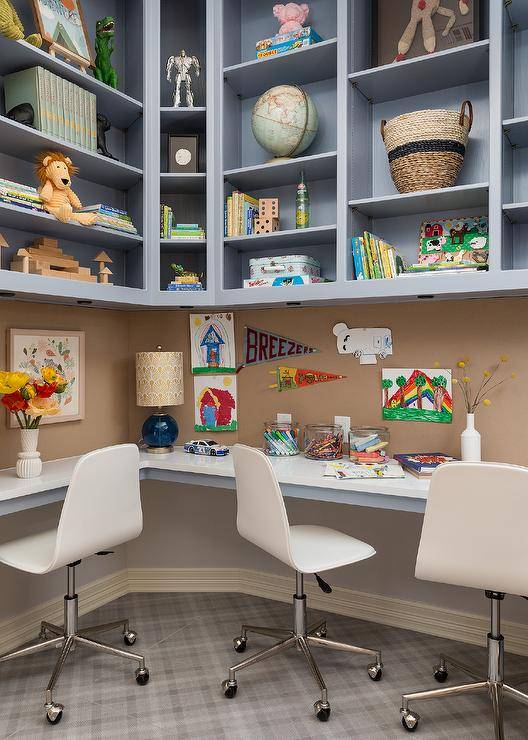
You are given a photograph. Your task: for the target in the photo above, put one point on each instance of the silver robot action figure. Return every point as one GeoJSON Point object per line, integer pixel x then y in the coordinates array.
{"type": "Point", "coordinates": [183, 65]}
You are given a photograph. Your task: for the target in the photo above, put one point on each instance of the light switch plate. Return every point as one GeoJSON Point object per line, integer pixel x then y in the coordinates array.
{"type": "Point", "coordinates": [284, 418]}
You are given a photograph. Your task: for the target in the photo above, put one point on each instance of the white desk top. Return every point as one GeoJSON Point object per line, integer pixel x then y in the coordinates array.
{"type": "Point", "coordinates": [298, 477]}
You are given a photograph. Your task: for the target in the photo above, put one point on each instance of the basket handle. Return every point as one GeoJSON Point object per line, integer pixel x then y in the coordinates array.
{"type": "Point", "coordinates": [382, 128]}
{"type": "Point", "coordinates": [463, 113]}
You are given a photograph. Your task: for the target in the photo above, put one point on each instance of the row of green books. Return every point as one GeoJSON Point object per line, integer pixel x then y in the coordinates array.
{"type": "Point", "coordinates": [111, 218]}
{"type": "Point", "coordinates": [62, 109]}
{"type": "Point", "coordinates": [171, 230]}
{"type": "Point", "coordinates": [240, 210]}
{"type": "Point", "coordinates": [17, 194]}
{"type": "Point", "coordinates": [374, 258]}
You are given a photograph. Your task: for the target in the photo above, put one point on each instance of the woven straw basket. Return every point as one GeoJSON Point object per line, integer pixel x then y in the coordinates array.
{"type": "Point", "coordinates": [426, 148]}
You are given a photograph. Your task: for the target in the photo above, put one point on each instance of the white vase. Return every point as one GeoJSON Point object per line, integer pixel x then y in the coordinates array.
{"type": "Point", "coordinates": [29, 464]}
{"type": "Point", "coordinates": [470, 441]}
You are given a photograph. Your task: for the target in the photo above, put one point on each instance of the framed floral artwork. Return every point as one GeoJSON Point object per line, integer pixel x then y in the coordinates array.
{"type": "Point", "coordinates": [30, 349]}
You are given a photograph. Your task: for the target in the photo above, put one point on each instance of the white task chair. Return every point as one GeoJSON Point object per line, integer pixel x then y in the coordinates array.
{"type": "Point", "coordinates": [262, 519]}
{"type": "Point", "coordinates": [474, 534]}
{"type": "Point", "coordinates": [102, 509]}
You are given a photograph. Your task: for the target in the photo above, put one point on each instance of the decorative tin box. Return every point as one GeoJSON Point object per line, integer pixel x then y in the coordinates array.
{"type": "Point", "coordinates": [282, 282]}
{"type": "Point", "coordinates": [283, 42]}
{"type": "Point", "coordinates": [284, 266]}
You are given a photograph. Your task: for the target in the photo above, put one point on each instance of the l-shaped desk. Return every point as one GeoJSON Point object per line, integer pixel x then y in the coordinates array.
{"type": "Point", "coordinates": [298, 477]}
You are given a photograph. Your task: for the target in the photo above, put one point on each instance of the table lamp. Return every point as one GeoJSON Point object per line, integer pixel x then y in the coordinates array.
{"type": "Point", "coordinates": [159, 382]}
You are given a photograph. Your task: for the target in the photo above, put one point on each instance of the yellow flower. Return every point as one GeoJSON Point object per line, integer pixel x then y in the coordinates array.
{"type": "Point", "coordinates": [28, 392]}
{"type": "Point", "coordinates": [466, 379]}
{"type": "Point", "coordinates": [486, 402]}
{"type": "Point", "coordinates": [12, 382]}
{"type": "Point", "coordinates": [504, 358]}
{"type": "Point", "coordinates": [436, 364]}
{"type": "Point", "coordinates": [454, 381]}
{"type": "Point", "coordinates": [461, 363]}
{"type": "Point", "coordinates": [486, 373]}
{"type": "Point", "coordinates": [514, 375]}
{"type": "Point", "coordinates": [49, 374]}
{"type": "Point", "coordinates": [43, 407]}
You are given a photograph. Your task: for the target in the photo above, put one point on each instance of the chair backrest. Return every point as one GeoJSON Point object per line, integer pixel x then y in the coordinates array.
{"type": "Point", "coordinates": [474, 530]}
{"type": "Point", "coordinates": [102, 506]}
{"type": "Point", "coordinates": [261, 513]}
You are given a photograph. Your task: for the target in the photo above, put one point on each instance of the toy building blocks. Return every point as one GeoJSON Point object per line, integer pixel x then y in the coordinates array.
{"type": "Point", "coordinates": [266, 225]}
{"type": "Point", "coordinates": [44, 257]}
{"type": "Point", "coordinates": [269, 208]}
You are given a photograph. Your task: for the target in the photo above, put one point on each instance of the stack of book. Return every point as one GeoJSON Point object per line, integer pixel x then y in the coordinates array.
{"type": "Point", "coordinates": [423, 464]}
{"type": "Point", "coordinates": [373, 258]}
{"type": "Point", "coordinates": [240, 211]}
{"type": "Point", "coordinates": [62, 109]}
{"type": "Point", "coordinates": [111, 218]}
{"type": "Point", "coordinates": [284, 42]}
{"type": "Point", "coordinates": [20, 195]}
{"type": "Point", "coordinates": [171, 230]}
{"type": "Point", "coordinates": [184, 280]}
{"type": "Point", "coordinates": [192, 232]}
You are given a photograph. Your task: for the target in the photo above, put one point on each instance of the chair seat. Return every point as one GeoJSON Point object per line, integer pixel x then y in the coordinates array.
{"type": "Point", "coordinates": [316, 549]}
{"type": "Point", "coordinates": [33, 553]}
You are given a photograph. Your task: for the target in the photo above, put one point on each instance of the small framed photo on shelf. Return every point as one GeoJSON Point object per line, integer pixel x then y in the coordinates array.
{"type": "Point", "coordinates": [183, 152]}
{"type": "Point", "coordinates": [399, 32]}
{"type": "Point", "coordinates": [61, 24]}
{"type": "Point", "coordinates": [31, 349]}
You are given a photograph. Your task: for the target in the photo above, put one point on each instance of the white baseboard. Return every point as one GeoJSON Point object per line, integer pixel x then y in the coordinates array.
{"type": "Point", "coordinates": [409, 615]}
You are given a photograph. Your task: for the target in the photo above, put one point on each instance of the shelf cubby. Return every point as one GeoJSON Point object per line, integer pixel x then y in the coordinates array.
{"type": "Point", "coordinates": [284, 171]}
{"type": "Point", "coordinates": [461, 65]}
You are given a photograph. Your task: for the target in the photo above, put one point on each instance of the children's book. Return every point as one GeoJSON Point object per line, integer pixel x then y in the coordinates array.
{"type": "Point", "coordinates": [423, 464]}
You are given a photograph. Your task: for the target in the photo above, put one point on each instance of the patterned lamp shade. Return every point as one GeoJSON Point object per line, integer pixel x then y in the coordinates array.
{"type": "Point", "coordinates": [159, 378]}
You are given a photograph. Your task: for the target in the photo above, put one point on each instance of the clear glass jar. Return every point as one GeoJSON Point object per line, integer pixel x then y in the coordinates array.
{"type": "Point", "coordinates": [368, 441]}
{"type": "Point", "coordinates": [281, 438]}
{"type": "Point", "coordinates": [323, 442]}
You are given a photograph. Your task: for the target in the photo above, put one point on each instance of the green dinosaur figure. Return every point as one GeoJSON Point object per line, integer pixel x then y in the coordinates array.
{"type": "Point", "coordinates": [104, 47]}
{"type": "Point", "coordinates": [11, 25]}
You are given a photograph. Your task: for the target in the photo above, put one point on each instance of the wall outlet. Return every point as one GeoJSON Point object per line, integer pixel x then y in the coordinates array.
{"type": "Point", "coordinates": [343, 421]}
{"type": "Point", "coordinates": [284, 418]}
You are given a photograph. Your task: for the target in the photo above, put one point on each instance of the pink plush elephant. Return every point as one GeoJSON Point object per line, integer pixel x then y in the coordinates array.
{"type": "Point", "coordinates": [291, 16]}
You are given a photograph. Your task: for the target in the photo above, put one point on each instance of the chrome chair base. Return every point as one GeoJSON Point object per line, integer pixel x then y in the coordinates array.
{"type": "Point", "coordinates": [303, 638]}
{"type": "Point", "coordinates": [68, 637]}
{"type": "Point", "coordinates": [493, 683]}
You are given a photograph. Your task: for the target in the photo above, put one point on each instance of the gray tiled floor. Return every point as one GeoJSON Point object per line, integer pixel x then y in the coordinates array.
{"type": "Point", "coordinates": [186, 639]}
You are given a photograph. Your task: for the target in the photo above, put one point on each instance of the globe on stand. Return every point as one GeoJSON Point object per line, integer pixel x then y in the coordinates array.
{"type": "Point", "coordinates": [284, 120]}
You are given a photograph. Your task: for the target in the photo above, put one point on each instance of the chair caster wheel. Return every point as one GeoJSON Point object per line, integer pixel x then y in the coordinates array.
{"type": "Point", "coordinates": [54, 713]}
{"type": "Point", "coordinates": [440, 674]}
{"type": "Point", "coordinates": [375, 672]}
{"type": "Point", "coordinates": [229, 688]}
{"type": "Point", "coordinates": [129, 637]}
{"type": "Point", "coordinates": [322, 710]}
{"type": "Point", "coordinates": [142, 676]}
{"type": "Point", "coordinates": [240, 644]}
{"type": "Point", "coordinates": [410, 721]}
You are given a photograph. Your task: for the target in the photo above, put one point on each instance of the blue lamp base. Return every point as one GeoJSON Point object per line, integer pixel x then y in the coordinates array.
{"type": "Point", "coordinates": [160, 432]}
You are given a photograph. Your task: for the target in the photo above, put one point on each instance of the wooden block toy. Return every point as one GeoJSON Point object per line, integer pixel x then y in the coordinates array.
{"type": "Point", "coordinates": [266, 225]}
{"type": "Point", "coordinates": [45, 258]}
{"type": "Point", "coordinates": [269, 208]}
{"type": "Point", "coordinates": [103, 276]}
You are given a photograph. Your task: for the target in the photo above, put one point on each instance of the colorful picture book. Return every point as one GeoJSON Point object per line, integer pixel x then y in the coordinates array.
{"type": "Point", "coordinates": [422, 464]}
{"type": "Point", "coordinates": [452, 244]}
{"type": "Point", "coordinates": [62, 109]}
{"type": "Point", "coordinates": [240, 210]}
{"type": "Point", "coordinates": [373, 258]}
{"type": "Point", "coordinates": [111, 218]}
{"type": "Point", "coordinates": [17, 194]}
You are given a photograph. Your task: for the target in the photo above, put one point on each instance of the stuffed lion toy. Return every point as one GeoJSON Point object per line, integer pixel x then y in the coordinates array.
{"type": "Point", "coordinates": [55, 171]}
{"type": "Point", "coordinates": [11, 25]}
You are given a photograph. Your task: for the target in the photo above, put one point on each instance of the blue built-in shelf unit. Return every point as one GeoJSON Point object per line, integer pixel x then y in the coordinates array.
{"type": "Point", "coordinates": [346, 166]}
